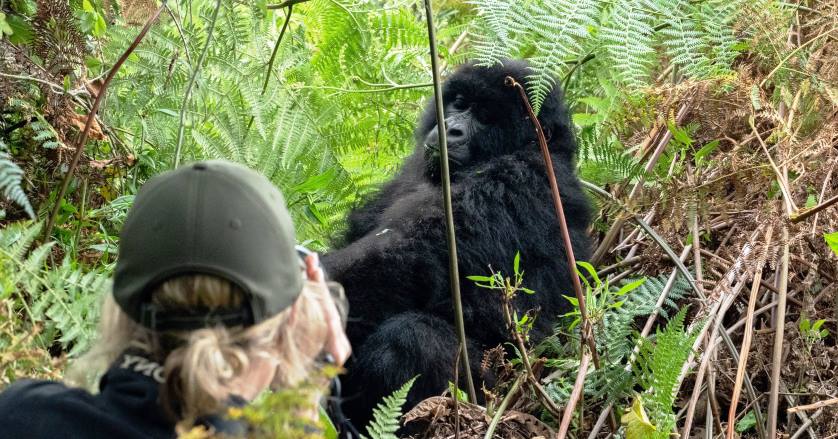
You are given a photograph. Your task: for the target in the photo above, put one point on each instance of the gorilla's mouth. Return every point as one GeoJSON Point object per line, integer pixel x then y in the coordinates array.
{"type": "Point", "coordinates": [432, 153]}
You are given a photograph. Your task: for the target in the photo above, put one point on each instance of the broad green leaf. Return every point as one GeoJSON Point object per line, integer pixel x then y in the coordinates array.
{"type": "Point", "coordinates": [5, 29]}
{"type": "Point", "coordinates": [315, 182]}
{"type": "Point", "coordinates": [832, 241]}
{"type": "Point", "coordinates": [755, 98]}
{"type": "Point", "coordinates": [479, 278]}
{"type": "Point", "coordinates": [747, 422]}
{"type": "Point", "coordinates": [631, 286]}
{"type": "Point", "coordinates": [22, 32]}
{"type": "Point", "coordinates": [811, 201]}
{"type": "Point", "coordinates": [705, 150]}
{"type": "Point", "coordinates": [591, 271]}
{"type": "Point", "coordinates": [457, 392]}
{"type": "Point", "coordinates": [168, 112]}
{"type": "Point", "coordinates": [329, 430]}
{"type": "Point", "coordinates": [637, 422]}
{"type": "Point", "coordinates": [583, 120]}
{"type": "Point", "coordinates": [516, 263]}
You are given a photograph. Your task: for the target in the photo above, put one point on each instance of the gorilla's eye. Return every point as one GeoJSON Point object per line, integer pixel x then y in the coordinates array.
{"type": "Point", "coordinates": [459, 103]}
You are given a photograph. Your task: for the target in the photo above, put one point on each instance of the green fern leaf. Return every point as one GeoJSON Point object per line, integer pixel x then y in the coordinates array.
{"type": "Point", "coordinates": [11, 182]}
{"type": "Point", "coordinates": [386, 414]}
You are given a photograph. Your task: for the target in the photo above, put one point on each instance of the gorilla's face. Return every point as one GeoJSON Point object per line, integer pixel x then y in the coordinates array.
{"type": "Point", "coordinates": [484, 119]}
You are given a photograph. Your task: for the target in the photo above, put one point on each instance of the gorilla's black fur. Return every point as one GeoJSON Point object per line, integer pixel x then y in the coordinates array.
{"type": "Point", "coordinates": [394, 265]}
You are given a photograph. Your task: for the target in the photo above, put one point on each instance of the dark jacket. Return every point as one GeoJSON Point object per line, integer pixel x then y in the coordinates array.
{"type": "Point", "coordinates": [126, 406]}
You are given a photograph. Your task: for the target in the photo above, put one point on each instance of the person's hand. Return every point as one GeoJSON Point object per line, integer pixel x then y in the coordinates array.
{"type": "Point", "coordinates": [337, 344]}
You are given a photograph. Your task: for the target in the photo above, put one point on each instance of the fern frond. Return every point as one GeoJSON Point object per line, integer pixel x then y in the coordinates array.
{"type": "Point", "coordinates": [659, 366]}
{"type": "Point", "coordinates": [11, 182]}
{"type": "Point", "coordinates": [628, 36]}
{"type": "Point", "coordinates": [560, 29]}
{"type": "Point", "coordinates": [385, 420]}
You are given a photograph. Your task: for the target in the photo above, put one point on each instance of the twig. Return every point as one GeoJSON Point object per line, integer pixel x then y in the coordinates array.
{"type": "Point", "coordinates": [285, 4]}
{"type": "Point", "coordinates": [575, 395]}
{"type": "Point", "coordinates": [807, 425]}
{"type": "Point", "coordinates": [746, 340]}
{"type": "Point", "coordinates": [824, 186]}
{"type": "Point", "coordinates": [273, 58]}
{"type": "Point", "coordinates": [453, 269]}
{"type": "Point", "coordinates": [545, 399]}
{"type": "Point", "coordinates": [91, 116]}
{"type": "Point", "coordinates": [813, 406]}
{"type": "Point", "coordinates": [777, 363]}
{"type": "Point", "coordinates": [663, 135]}
{"type": "Point", "coordinates": [180, 32]}
{"type": "Point", "coordinates": [502, 407]}
{"type": "Point", "coordinates": [454, 47]}
{"type": "Point", "coordinates": [782, 181]}
{"type": "Point", "coordinates": [802, 214]}
{"type": "Point", "coordinates": [196, 68]}
{"type": "Point", "coordinates": [370, 90]}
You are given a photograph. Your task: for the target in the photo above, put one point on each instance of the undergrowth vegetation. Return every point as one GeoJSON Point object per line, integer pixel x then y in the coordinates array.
{"type": "Point", "coordinates": [709, 139]}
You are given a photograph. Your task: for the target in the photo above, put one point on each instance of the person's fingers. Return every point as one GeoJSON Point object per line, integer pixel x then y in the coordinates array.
{"type": "Point", "coordinates": [337, 344]}
{"type": "Point", "coordinates": [313, 270]}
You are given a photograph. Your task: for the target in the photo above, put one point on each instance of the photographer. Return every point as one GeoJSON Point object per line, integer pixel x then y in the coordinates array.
{"type": "Point", "coordinates": [211, 305]}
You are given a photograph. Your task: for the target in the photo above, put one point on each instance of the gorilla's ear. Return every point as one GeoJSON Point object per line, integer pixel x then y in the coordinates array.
{"type": "Point", "coordinates": [548, 133]}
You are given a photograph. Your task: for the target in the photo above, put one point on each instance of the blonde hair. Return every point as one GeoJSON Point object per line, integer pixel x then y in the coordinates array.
{"type": "Point", "coordinates": [199, 365]}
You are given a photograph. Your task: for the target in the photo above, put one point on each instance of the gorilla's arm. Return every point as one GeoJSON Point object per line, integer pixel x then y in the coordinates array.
{"type": "Point", "coordinates": [365, 219]}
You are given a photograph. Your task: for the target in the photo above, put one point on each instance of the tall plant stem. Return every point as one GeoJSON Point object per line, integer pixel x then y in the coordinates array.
{"type": "Point", "coordinates": [196, 68]}
{"type": "Point", "coordinates": [453, 269]}
{"type": "Point", "coordinates": [586, 330]}
{"type": "Point", "coordinates": [779, 334]}
{"type": "Point", "coordinates": [65, 182]}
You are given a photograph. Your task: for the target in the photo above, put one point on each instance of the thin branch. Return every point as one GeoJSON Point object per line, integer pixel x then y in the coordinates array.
{"type": "Point", "coordinates": [286, 4]}
{"type": "Point", "coordinates": [453, 269]}
{"type": "Point", "coordinates": [371, 90]}
{"type": "Point", "coordinates": [91, 116]}
{"type": "Point", "coordinates": [502, 407]}
{"type": "Point", "coordinates": [781, 179]}
{"type": "Point", "coordinates": [802, 214]}
{"type": "Point", "coordinates": [195, 70]}
{"type": "Point", "coordinates": [575, 395]}
{"type": "Point", "coordinates": [271, 61]}
{"type": "Point", "coordinates": [813, 406]}
{"type": "Point", "coordinates": [180, 32]}
{"type": "Point", "coordinates": [276, 48]}
{"type": "Point", "coordinates": [791, 54]}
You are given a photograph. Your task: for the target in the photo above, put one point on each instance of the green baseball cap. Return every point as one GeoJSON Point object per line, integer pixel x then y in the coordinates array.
{"type": "Point", "coordinates": [211, 217]}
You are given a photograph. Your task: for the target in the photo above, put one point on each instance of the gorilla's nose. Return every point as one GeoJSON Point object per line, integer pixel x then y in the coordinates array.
{"type": "Point", "coordinates": [456, 135]}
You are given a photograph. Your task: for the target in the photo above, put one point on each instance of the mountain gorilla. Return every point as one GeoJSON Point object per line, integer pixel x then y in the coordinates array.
{"type": "Point", "coordinates": [394, 264]}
